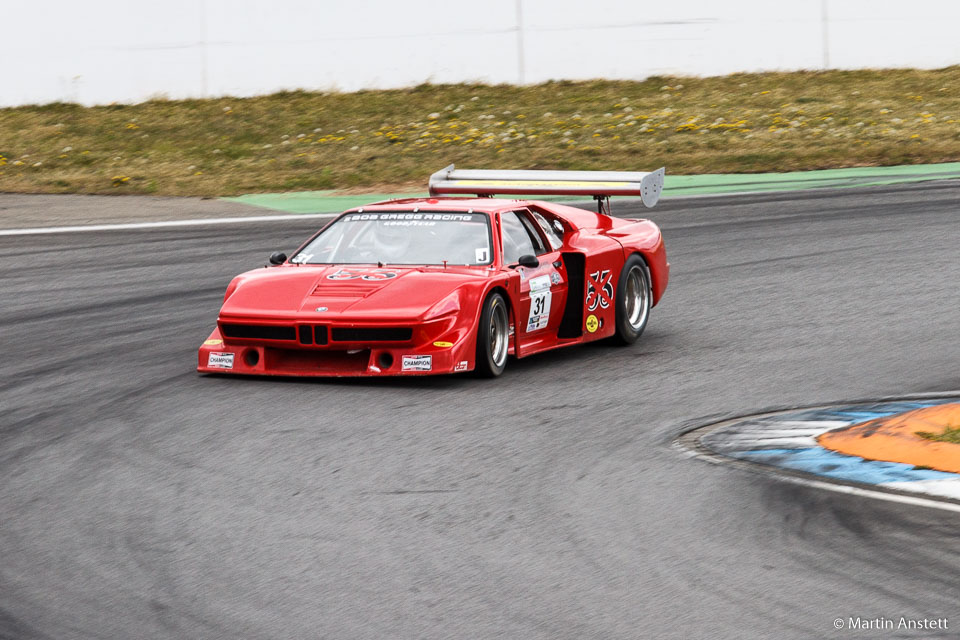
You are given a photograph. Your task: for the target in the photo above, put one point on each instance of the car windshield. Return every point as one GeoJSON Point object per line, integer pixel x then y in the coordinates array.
{"type": "Point", "coordinates": [404, 237]}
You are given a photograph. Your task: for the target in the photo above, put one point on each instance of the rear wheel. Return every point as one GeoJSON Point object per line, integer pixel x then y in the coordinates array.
{"type": "Point", "coordinates": [634, 299]}
{"type": "Point", "coordinates": [493, 337]}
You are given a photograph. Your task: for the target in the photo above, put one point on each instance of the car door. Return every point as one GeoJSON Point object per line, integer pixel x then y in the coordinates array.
{"type": "Point", "coordinates": [542, 289]}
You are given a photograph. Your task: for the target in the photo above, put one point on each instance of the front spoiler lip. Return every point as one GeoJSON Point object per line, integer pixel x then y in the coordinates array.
{"type": "Point", "coordinates": [328, 374]}
{"type": "Point", "coordinates": [367, 373]}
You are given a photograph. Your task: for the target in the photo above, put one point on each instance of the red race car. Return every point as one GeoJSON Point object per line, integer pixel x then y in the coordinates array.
{"type": "Point", "coordinates": [449, 284]}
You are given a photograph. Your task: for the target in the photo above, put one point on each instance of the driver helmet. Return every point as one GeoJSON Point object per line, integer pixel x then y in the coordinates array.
{"type": "Point", "coordinates": [392, 240]}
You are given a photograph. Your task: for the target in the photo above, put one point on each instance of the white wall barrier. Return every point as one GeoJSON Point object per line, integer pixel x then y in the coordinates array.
{"type": "Point", "coordinates": [102, 51]}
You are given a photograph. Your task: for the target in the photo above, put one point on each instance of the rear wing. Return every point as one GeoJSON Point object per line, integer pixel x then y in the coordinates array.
{"type": "Point", "coordinates": [598, 184]}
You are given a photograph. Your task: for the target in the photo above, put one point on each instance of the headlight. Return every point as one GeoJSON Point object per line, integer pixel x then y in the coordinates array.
{"type": "Point", "coordinates": [448, 306]}
{"type": "Point", "coordinates": [231, 288]}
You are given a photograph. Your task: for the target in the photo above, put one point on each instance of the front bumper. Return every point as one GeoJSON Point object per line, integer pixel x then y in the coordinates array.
{"type": "Point", "coordinates": [250, 357]}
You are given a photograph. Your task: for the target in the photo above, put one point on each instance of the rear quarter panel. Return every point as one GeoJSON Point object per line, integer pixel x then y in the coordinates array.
{"type": "Point", "coordinates": [644, 237]}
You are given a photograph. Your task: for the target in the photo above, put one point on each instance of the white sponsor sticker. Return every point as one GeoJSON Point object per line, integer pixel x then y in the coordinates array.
{"type": "Point", "coordinates": [540, 299]}
{"type": "Point", "coordinates": [461, 366]}
{"type": "Point", "coordinates": [417, 363]}
{"type": "Point", "coordinates": [482, 255]}
{"type": "Point", "coordinates": [220, 361]}
{"type": "Point", "coordinates": [540, 283]}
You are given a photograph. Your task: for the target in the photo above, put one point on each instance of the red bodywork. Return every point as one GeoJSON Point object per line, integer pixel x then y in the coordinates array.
{"type": "Point", "coordinates": [296, 320]}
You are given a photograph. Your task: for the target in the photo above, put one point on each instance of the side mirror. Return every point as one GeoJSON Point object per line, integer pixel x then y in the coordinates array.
{"type": "Point", "coordinates": [529, 261]}
{"type": "Point", "coordinates": [278, 257]}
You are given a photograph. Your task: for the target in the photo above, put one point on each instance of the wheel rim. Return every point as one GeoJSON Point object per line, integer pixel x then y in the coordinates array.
{"type": "Point", "coordinates": [498, 334]}
{"type": "Point", "coordinates": [637, 297]}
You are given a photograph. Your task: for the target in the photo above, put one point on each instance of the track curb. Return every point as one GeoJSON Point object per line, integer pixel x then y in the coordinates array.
{"type": "Point", "coordinates": [690, 443]}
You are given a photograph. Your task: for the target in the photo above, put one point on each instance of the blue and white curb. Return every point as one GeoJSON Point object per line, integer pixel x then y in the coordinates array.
{"type": "Point", "coordinates": [788, 441]}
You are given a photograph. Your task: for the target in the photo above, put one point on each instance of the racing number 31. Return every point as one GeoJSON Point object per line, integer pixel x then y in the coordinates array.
{"type": "Point", "coordinates": [540, 299]}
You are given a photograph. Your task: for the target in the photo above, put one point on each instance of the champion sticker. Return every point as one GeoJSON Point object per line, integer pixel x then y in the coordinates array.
{"type": "Point", "coordinates": [220, 361]}
{"type": "Point", "coordinates": [540, 299]}
{"type": "Point", "coordinates": [592, 323]}
{"type": "Point", "coordinates": [416, 363]}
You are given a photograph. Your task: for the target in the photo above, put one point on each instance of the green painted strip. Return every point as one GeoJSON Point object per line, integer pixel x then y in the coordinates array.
{"type": "Point", "coordinates": [324, 202]}
{"type": "Point", "coordinates": [826, 178]}
{"type": "Point", "coordinates": [328, 202]}
{"type": "Point", "coordinates": [314, 201]}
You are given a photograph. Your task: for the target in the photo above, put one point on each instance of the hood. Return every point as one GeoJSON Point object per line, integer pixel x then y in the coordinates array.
{"type": "Point", "coordinates": [357, 291]}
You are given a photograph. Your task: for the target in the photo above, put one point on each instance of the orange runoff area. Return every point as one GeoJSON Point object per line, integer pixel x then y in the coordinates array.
{"type": "Point", "coordinates": [895, 439]}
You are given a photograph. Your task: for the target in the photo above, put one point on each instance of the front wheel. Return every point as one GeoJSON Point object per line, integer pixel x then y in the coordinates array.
{"type": "Point", "coordinates": [493, 337]}
{"type": "Point", "coordinates": [634, 299]}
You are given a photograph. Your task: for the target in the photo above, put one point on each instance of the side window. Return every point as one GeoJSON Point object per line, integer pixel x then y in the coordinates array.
{"type": "Point", "coordinates": [516, 238]}
{"type": "Point", "coordinates": [554, 236]}
{"type": "Point", "coordinates": [532, 230]}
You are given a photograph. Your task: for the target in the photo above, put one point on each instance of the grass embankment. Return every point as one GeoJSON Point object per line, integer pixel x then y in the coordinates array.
{"type": "Point", "coordinates": [950, 434]}
{"type": "Point", "coordinates": [388, 139]}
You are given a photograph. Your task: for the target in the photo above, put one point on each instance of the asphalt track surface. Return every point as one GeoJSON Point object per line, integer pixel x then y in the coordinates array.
{"type": "Point", "coordinates": [141, 500]}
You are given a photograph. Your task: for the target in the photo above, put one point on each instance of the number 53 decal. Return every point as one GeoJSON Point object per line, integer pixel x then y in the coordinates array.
{"type": "Point", "coordinates": [540, 298]}
{"type": "Point", "coordinates": [350, 274]}
{"type": "Point", "coordinates": [599, 290]}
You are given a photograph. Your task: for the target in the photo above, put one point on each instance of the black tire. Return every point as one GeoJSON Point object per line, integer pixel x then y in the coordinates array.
{"type": "Point", "coordinates": [493, 337]}
{"type": "Point", "coordinates": [634, 299]}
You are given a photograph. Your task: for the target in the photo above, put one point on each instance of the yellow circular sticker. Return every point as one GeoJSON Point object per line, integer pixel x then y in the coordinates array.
{"type": "Point", "coordinates": [592, 323]}
{"type": "Point", "coordinates": [212, 342]}
{"type": "Point", "coordinates": [443, 345]}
